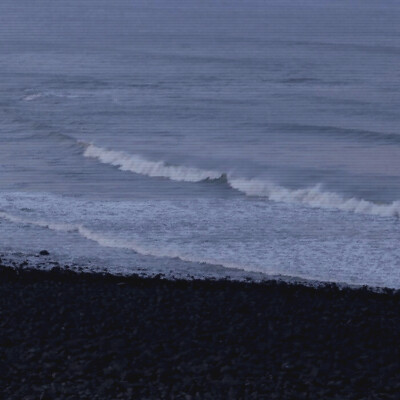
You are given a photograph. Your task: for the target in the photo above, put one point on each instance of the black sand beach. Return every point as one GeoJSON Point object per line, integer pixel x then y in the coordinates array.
{"type": "Point", "coordinates": [89, 336]}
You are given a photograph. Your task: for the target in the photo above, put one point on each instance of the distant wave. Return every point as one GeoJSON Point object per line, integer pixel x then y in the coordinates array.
{"type": "Point", "coordinates": [312, 197]}
{"type": "Point", "coordinates": [110, 242]}
{"type": "Point", "coordinates": [46, 94]}
{"type": "Point", "coordinates": [34, 96]}
{"type": "Point", "coordinates": [345, 133]}
{"type": "Point", "coordinates": [54, 135]}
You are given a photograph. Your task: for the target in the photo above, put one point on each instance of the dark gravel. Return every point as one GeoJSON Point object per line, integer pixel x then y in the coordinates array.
{"type": "Point", "coordinates": [89, 336]}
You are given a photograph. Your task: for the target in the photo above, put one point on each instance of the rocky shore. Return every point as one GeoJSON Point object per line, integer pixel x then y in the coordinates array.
{"type": "Point", "coordinates": [65, 335]}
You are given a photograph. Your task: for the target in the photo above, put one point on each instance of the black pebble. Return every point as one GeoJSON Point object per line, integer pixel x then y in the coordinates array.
{"type": "Point", "coordinates": [66, 335]}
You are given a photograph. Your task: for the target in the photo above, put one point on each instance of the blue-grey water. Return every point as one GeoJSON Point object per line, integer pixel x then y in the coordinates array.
{"type": "Point", "coordinates": [203, 138]}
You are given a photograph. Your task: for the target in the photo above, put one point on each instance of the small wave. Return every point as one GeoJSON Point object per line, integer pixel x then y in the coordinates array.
{"type": "Point", "coordinates": [157, 252]}
{"type": "Point", "coordinates": [115, 243]}
{"type": "Point", "coordinates": [42, 224]}
{"type": "Point", "coordinates": [53, 94]}
{"type": "Point", "coordinates": [313, 197]}
{"type": "Point", "coordinates": [31, 97]}
{"type": "Point", "coordinates": [337, 131]}
{"type": "Point", "coordinates": [54, 135]}
{"type": "Point", "coordinates": [299, 80]}
{"type": "Point", "coordinates": [139, 165]}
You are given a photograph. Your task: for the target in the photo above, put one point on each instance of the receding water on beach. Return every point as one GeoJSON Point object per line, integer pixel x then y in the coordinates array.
{"type": "Point", "coordinates": [200, 138]}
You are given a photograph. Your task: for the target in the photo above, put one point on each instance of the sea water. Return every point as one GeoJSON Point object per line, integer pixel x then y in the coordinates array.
{"type": "Point", "coordinates": [203, 138]}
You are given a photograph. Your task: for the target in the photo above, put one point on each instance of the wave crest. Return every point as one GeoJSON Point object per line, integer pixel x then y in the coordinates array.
{"type": "Point", "coordinates": [139, 165]}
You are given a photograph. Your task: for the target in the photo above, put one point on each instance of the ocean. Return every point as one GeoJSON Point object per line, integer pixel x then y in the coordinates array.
{"type": "Point", "coordinates": [242, 139]}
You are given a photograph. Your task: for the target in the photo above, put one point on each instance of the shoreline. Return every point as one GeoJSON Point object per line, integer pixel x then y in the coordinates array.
{"type": "Point", "coordinates": [45, 263]}
{"type": "Point", "coordinates": [97, 336]}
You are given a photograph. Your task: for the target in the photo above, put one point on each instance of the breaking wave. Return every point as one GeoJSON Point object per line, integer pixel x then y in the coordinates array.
{"type": "Point", "coordinates": [139, 165]}
{"type": "Point", "coordinates": [314, 197]}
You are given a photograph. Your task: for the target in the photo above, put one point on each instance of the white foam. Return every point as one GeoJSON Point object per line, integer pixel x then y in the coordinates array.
{"type": "Point", "coordinates": [139, 165]}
